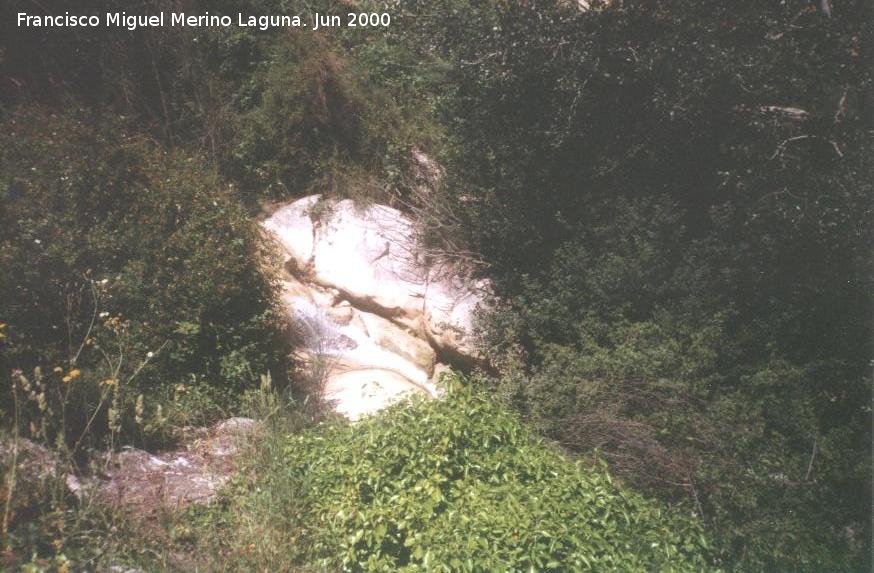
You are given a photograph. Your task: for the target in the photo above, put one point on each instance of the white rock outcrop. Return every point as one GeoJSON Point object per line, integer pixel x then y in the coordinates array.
{"type": "Point", "coordinates": [374, 320]}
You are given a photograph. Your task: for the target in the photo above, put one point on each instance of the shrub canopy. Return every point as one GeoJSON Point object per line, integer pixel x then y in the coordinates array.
{"type": "Point", "coordinates": [459, 485]}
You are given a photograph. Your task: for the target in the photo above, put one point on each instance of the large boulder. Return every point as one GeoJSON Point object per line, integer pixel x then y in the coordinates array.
{"type": "Point", "coordinates": [366, 304]}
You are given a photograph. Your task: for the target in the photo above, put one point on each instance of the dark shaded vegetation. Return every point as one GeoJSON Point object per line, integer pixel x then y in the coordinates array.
{"type": "Point", "coordinates": [131, 264]}
{"type": "Point", "coordinates": [673, 199]}
{"type": "Point", "coordinates": [279, 113]}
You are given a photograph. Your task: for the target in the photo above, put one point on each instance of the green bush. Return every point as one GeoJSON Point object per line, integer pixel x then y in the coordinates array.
{"type": "Point", "coordinates": [134, 265]}
{"type": "Point", "coordinates": [460, 485]}
{"type": "Point", "coordinates": [673, 199]}
{"type": "Point", "coordinates": [309, 119]}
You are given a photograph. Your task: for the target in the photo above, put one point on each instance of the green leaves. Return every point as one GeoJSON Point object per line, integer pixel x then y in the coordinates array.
{"type": "Point", "coordinates": [674, 199]}
{"type": "Point", "coordinates": [176, 261]}
{"type": "Point", "coordinates": [460, 485]}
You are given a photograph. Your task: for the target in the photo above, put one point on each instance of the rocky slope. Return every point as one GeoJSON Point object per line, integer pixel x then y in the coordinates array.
{"type": "Point", "coordinates": [374, 320]}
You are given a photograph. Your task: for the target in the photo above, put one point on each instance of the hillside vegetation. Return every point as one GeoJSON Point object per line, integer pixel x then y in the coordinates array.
{"type": "Point", "coordinates": [672, 199]}
{"type": "Point", "coordinates": [452, 485]}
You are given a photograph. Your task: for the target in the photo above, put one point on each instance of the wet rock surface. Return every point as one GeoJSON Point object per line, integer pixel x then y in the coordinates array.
{"type": "Point", "coordinates": [374, 320]}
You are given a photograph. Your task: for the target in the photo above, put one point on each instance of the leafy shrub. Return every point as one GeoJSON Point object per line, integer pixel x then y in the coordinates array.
{"type": "Point", "coordinates": [459, 485]}
{"type": "Point", "coordinates": [672, 197]}
{"type": "Point", "coordinates": [311, 121]}
{"type": "Point", "coordinates": [133, 265]}
{"type": "Point", "coordinates": [653, 366]}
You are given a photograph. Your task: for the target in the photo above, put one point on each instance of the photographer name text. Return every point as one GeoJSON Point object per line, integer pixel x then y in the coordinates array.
{"type": "Point", "coordinates": [315, 21]}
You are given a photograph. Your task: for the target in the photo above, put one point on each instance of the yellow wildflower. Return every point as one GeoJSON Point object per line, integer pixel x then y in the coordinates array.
{"type": "Point", "coordinates": [110, 382]}
{"type": "Point", "coordinates": [57, 369]}
{"type": "Point", "coordinates": [75, 373]}
{"type": "Point", "coordinates": [2, 325]}
{"type": "Point", "coordinates": [66, 379]}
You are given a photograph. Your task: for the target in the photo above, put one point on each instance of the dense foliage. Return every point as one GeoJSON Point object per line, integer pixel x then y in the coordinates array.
{"type": "Point", "coordinates": [673, 198]}
{"type": "Point", "coordinates": [134, 267]}
{"type": "Point", "coordinates": [460, 485]}
{"type": "Point", "coordinates": [675, 201]}
{"type": "Point", "coordinates": [277, 112]}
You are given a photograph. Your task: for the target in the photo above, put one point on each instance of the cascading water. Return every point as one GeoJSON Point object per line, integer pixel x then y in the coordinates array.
{"type": "Point", "coordinates": [316, 331]}
{"type": "Point", "coordinates": [370, 319]}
